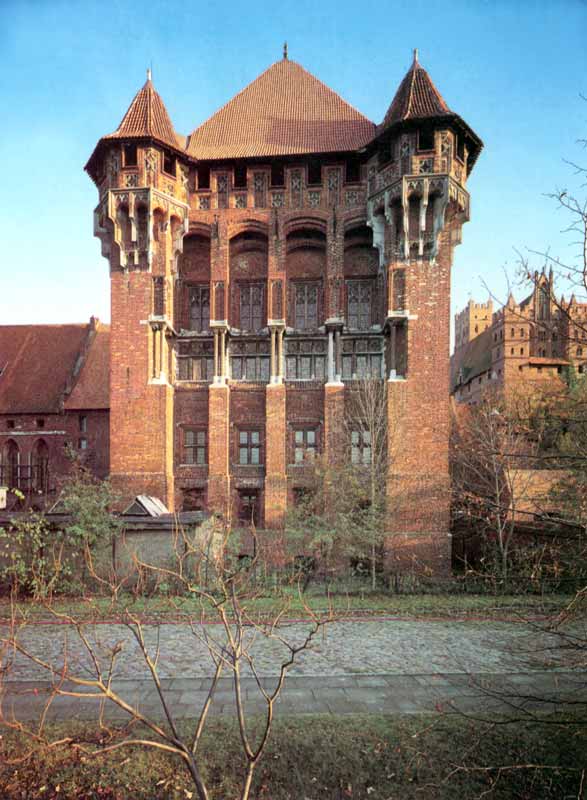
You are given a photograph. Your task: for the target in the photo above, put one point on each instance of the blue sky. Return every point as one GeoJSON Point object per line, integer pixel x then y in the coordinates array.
{"type": "Point", "coordinates": [68, 71]}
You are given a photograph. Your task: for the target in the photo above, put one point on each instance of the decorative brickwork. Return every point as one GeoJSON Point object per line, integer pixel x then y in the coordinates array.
{"type": "Point", "coordinates": [297, 278]}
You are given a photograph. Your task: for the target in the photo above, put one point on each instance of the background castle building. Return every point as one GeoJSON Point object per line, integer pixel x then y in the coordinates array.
{"type": "Point", "coordinates": [528, 345]}
{"type": "Point", "coordinates": [259, 266]}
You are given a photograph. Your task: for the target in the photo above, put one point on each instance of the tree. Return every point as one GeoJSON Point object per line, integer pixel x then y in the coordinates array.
{"type": "Point", "coordinates": [342, 514]}
{"type": "Point", "coordinates": [213, 585]}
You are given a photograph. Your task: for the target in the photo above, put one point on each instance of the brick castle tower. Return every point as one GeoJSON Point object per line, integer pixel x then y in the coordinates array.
{"type": "Point", "coordinates": [259, 266]}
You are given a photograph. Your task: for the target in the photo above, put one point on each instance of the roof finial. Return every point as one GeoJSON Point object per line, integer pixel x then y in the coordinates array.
{"type": "Point", "coordinates": [285, 51]}
{"type": "Point", "coordinates": [415, 55]}
{"type": "Point", "coordinates": [148, 73]}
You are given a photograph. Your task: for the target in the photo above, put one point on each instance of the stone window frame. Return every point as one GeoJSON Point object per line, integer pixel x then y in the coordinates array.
{"type": "Point", "coordinates": [360, 445]}
{"type": "Point", "coordinates": [363, 348]}
{"type": "Point", "coordinates": [195, 366]}
{"type": "Point", "coordinates": [244, 287]}
{"type": "Point", "coordinates": [253, 366]}
{"type": "Point", "coordinates": [306, 350]}
{"type": "Point", "coordinates": [194, 446]}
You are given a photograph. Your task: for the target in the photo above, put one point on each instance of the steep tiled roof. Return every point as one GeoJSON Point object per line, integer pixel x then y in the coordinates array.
{"type": "Point", "coordinates": [148, 117]}
{"type": "Point", "coordinates": [36, 363]}
{"type": "Point", "coordinates": [285, 111]}
{"type": "Point", "coordinates": [39, 362]}
{"type": "Point", "coordinates": [92, 389]}
{"type": "Point", "coordinates": [416, 98]}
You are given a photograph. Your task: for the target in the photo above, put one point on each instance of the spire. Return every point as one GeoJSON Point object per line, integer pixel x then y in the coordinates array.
{"type": "Point", "coordinates": [147, 117]}
{"type": "Point", "coordinates": [416, 98]}
{"type": "Point", "coordinates": [285, 51]}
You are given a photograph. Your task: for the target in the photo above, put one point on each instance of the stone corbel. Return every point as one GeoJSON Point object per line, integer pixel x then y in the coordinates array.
{"type": "Point", "coordinates": [377, 225]}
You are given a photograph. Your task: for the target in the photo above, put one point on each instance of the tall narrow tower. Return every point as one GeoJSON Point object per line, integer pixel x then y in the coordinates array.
{"type": "Point", "coordinates": [417, 204]}
{"type": "Point", "coordinates": [141, 219]}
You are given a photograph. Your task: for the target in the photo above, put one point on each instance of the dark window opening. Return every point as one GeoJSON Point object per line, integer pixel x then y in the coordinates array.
{"type": "Point", "coordinates": [194, 447]}
{"type": "Point", "coordinates": [130, 155]}
{"type": "Point", "coordinates": [248, 507]}
{"type": "Point", "coordinates": [240, 176]}
{"type": "Point", "coordinates": [203, 177]}
{"type": "Point", "coordinates": [83, 423]}
{"type": "Point", "coordinates": [384, 152]}
{"type": "Point", "coordinates": [249, 448]}
{"type": "Point", "coordinates": [426, 139]}
{"type": "Point", "coordinates": [10, 424]}
{"type": "Point", "coordinates": [40, 423]}
{"type": "Point", "coordinates": [277, 175]}
{"type": "Point", "coordinates": [200, 309]}
{"type": "Point", "coordinates": [195, 368]}
{"type": "Point", "coordinates": [352, 171]}
{"type": "Point", "coordinates": [314, 173]}
{"type": "Point", "coordinates": [460, 147]}
{"type": "Point", "coordinates": [168, 163]}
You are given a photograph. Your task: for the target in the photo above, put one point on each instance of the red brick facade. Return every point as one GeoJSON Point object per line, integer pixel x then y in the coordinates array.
{"type": "Point", "coordinates": [258, 268]}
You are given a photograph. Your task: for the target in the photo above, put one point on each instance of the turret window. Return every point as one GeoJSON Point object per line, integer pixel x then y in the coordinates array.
{"type": "Point", "coordinates": [426, 140]}
{"type": "Point", "coordinates": [169, 161]}
{"type": "Point", "coordinates": [129, 152]}
{"type": "Point", "coordinates": [203, 177]}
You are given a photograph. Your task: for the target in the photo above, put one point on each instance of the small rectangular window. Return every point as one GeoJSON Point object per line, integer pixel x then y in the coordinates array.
{"type": "Point", "coordinates": [249, 450]}
{"type": "Point", "coordinates": [426, 139]}
{"type": "Point", "coordinates": [83, 423]}
{"type": "Point", "coordinates": [40, 423]}
{"type": "Point", "coordinates": [194, 447]}
{"type": "Point", "coordinates": [352, 171]}
{"type": "Point", "coordinates": [168, 163]}
{"type": "Point", "coordinates": [82, 443]}
{"type": "Point", "coordinates": [130, 155]}
{"type": "Point", "coordinates": [305, 445]}
{"type": "Point", "coordinates": [240, 176]}
{"type": "Point", "coordinates": [314, 173]}
{"type": "Point", "coordinates": [277, 175]}
{"type": "Point", "coordinates": [203, 177]}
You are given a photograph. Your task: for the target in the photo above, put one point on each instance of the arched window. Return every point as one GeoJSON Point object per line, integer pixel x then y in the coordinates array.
{"type": "Point", "coordinates": [9, 471]}
{"type": "Point", "coordinates": [40, 466]}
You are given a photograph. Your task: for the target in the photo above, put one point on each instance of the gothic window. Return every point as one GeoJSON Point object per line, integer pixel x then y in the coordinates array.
{"type": "Point", "coordinates": [249, 447]}
{"type": "Point", "coordinates": [359, 298]}
{"type": "Point", "coordinates": [40, 466]}
{"type": "Point", "coordinates": [542, 303]}
{"type": "Point", "coordinates": [200, 309]}
{"type": "Point", "coordinates": [10, 467]}
{"type": "Point", "coordinates": [306, 306]}
{"type": "Point", "coordinates": [361, 447]}
{"type": "Point", "coordinates": [194, 447]}
{"type": "Point", "coordinates": [251, 306]}
{"type": "Point", "coordinates": [362, 358]}
{"type": "Point", "coordinates": [250, 361]}
{"type": "Point", "coordinates": [305, 445]}
{"type": "Point", "coordinates": [306, 360]}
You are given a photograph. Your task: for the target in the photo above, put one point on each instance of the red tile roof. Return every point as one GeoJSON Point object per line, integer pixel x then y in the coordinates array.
{"type": "Point", "coordinates": [148, 117]}
{"type": "Point", "coordinates": [285, 111]}
{"type": "Point", "coordinates": [37, 363]}
{"type": "Point", "coordinates": [416, 98]}
{"type": "Point", "coordinates": [92, 389]}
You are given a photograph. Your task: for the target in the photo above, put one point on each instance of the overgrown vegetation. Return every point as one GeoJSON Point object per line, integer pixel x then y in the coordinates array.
{"type": "Point", "coordinates": [317, 758]}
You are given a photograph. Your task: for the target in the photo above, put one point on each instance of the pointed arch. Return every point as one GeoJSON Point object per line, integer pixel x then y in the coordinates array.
{"type": "Point", "coordinates": [10, 465]}
{"type": "Point", "coordinates": [40, 466]}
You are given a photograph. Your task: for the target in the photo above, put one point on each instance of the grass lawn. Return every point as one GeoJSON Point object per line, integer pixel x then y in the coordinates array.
{"type": "Point", "coordinates": [318, 758]}
{"type": "Point", "coordinates": [367, 604]}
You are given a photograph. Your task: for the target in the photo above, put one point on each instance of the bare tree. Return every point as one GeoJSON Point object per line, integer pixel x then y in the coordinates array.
{"type": "Point", "coordinates": [205, 574]}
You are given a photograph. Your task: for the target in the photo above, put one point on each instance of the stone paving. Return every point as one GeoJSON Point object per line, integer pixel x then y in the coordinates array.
{"type": "Point", "coordinates": [383, 666]}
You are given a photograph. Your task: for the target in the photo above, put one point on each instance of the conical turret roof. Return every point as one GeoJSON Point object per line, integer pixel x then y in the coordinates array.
{"type": "Point", "coordinates": [147, 117]}
{"type": "Point", "coordinates": [416, 98]}
{"type": "Point", "coordinates": [285, 111]}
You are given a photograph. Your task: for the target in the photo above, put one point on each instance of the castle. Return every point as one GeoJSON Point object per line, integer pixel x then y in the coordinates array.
{"type": "Point", "coordinates": [526, 346]}
{"type": "Point", "coordinates": [261, 266]}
